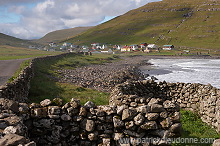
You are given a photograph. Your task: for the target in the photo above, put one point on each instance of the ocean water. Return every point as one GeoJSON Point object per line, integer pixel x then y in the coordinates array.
{"type": "Point", "coordinates": [204, 71]}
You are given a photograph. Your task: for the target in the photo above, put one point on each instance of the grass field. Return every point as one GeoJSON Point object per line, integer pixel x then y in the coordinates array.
{"type": "Point", "coordinates": [9, 53]}
{"type": "Point", "coordinates": [44, 86]}
{"type": "Point", "coordinates": [193, 127]}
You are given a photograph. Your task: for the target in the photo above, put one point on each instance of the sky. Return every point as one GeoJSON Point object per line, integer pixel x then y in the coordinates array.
{"type": "Point", "coordinates": [32, 19]}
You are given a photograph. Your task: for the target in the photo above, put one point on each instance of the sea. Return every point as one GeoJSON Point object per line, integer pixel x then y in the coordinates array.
{"type": "Point", "coordinates": [204, 71]}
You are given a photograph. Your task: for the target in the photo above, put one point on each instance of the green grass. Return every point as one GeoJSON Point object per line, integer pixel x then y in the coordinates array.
{"type": "Point", "coordinates": [43, 85]}
{"type": "Point", "coordinates": [9, 53]}
{"type": "Point", "coordinates": [55, 36]}
{"type": "Point", "coordinates": [15, 42]}
{"type": "Point", "coordinates": [193, 127]}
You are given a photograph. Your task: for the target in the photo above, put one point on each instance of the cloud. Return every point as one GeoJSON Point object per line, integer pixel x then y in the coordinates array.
{"type": "Point", "coordinates": [50, 15]}
{"type": "Point", "coordinates": [15, 2]}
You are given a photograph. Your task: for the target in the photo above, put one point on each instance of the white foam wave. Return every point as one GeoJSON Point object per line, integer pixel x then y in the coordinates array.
{"type": "Point", "coordinates": [189, 70]}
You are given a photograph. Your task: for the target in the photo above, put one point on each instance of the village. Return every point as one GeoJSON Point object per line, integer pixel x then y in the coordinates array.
{"type": "Point", "coordinates": [97, 48]}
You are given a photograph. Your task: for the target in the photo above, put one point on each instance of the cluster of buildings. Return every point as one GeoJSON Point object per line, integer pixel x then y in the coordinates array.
{"type": "Point", "coordinates": [104, 48]}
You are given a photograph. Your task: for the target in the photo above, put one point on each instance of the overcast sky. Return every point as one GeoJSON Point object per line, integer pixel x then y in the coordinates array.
{"type": "Point", "coordinates": [28, 19]}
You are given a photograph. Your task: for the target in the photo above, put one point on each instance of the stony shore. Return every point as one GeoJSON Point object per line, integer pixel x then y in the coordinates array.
{"type": "Point", "coordinates": [105, 76]}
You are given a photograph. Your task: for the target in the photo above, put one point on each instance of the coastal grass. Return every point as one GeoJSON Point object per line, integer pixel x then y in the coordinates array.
{"type": "Point", "coordinates": [45, 85]}
{"type": "Point", "coordinates": [193, 127]}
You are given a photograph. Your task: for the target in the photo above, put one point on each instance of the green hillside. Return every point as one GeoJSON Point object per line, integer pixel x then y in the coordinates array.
{"type": "Point", "coordinates": [190, 23]}
{"type": "Point", "coordinates": [58, 35]}
{"type": "Point", "coordinates": [14, 42]}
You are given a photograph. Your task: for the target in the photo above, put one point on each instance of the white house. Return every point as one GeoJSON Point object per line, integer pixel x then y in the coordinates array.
{"type": "Point", "coordinates": [104, 46]}
{"type": "Point", "coordinates": [106, 50]}
{"type": "Point", "coordinates": [67, 44]}
{"type": "Point", "coordinates": [152, 46]}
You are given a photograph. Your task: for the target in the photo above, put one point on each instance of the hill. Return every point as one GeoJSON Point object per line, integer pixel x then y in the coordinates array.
{"type": "Point", "coordinates": [58, 35]}
{"type": "Point", "coordinates": [14, 42]}
{"type": "Point", "coordinates": [190, 23]}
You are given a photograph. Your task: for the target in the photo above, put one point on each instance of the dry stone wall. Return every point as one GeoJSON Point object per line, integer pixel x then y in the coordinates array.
{"type": "Point", "coordinates": [137, 109]}
{"type": "Point", "coordinates": [51, 123]}
{"type": "Point", "coordinates": [199, 98]}
{"type": "Point", "coordinates": [19, 89]}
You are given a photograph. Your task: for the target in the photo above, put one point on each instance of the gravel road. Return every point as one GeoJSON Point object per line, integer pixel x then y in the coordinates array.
{"type": "Point", "coordinates": [8, 68]}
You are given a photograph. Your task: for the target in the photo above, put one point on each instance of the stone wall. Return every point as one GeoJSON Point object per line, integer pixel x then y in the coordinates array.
{"type": "Point", "coordinates": [199, 98]}
{"type": "Point", "coordinates": [18, 89]}
{"type": "Point", "coordinates": [137, 109]}
{"type": "Point", "coordinates": [51, 123]}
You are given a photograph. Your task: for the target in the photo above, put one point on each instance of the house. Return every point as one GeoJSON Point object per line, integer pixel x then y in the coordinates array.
{"type": "Point", "coordinates": [106, 50]}
{"type": "Point", "coordinates": [67, 44]}
{"type": "Point", "coordinates": [134, 47]}
{"type": "Point", "coordinates": [168, 47]}
{"type": "Point", "coordinates": [152, 46]}
{"type": "Point", "coordinates": [147, 50]}
{"type": "Point", "coordinates": [126, 49]}
{"type": "Point", "coordinates": [63, 48]}
{"type": "Point", "coordinates": [84, 50]}
{"type": "Point", "coordinates": [96, 46]}
{"type": "Point", "coordinates": [104, 47]}
{"type": "Point", "coordinates": [74, 46]}
{"type": "Point", "coordinates": [143, 45]}
{"type": "Point", "coordinates": [85, 47]}
{"type": "Point", "coordinates": [116, 47]}
{"type": "Point", "coordinates": [52, 44]}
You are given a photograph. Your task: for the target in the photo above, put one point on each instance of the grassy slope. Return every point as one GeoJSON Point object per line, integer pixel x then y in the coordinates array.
{"type": "Point", "coordinates": [8, 53]}
{"type": "Point", "coordinates": [161, 22]}
{"type": "Point", "coordinates": [12, 41]}
{"type": "Point", "coordinates": [61, 35]}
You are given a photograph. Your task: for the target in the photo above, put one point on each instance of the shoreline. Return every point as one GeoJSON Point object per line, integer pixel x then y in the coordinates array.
{"type": "Point", "coordinates": [185, 70]}
{"type": "Point", "coordinates": [104, 77]}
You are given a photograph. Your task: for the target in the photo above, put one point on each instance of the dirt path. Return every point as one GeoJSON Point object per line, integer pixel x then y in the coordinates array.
{"type": "Point", "coordinates": [8, 68]}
